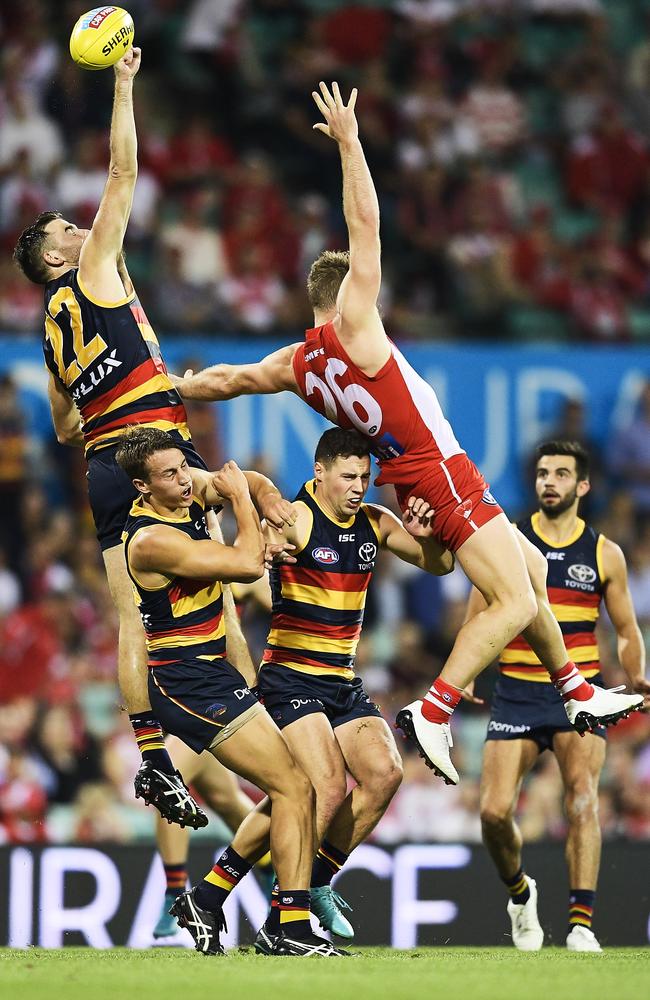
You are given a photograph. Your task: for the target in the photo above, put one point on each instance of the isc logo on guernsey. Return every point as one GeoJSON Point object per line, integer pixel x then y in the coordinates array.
{"type": "Point", "coordinates": [324, 555]}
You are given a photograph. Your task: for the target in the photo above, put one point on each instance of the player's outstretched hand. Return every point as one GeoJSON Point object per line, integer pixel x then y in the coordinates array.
{"type": "Point", "coordinates": [418, 518]}
{"type": "Point", "coordinates": [340, 122]}
{"type": "Point", "coordinates": [128, 65]}
{"type": "Point", "coordinates": [230, 481]}
{"type": "Point", "coordinates": [276, 553]}
{"type": "Point", "coordinates": [276, 510]}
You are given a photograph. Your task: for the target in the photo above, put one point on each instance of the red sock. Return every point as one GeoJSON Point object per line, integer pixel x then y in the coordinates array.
{"type": "Point", "coordinates": [440, 701]}
{"type": "Point", "coordinates": [571, 684]}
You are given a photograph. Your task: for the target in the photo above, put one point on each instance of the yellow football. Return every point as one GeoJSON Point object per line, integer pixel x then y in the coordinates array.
{"type": "Point", "coordinates": [101, 37]}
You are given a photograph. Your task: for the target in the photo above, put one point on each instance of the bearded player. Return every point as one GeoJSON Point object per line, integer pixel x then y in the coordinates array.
{"type": "Point", "coordinates": [348, 370]}
{"type": "Point", "coordinates": [585, 569]}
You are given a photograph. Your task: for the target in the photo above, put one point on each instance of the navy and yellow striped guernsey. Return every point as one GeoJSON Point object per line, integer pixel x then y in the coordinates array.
{"type": "Point", "coordinates": [107, 357]}
{"type": "Point", "coordinates": [575, 590]}
{"type": "Point", "coordinates": [318, 601]}
{"type": "Point", "coordinates": [182, 618]}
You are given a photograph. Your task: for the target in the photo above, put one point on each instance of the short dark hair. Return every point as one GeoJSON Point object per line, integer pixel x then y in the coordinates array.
{"type": "Point", "coordinates": [573, 449]}
{"type": "Point", "coordinates": [340, 443]}
{"type": "Point", "coordinates": [28, 252]}
{"type": "Point", "coordinates": [325, 277]}
{"type": "Point", "coordinates": [137, 446]}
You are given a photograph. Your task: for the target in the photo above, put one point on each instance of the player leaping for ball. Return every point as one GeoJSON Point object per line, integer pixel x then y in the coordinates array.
{"type": "Point", "coordinates": [348, 370]}
{"type": "Point", "coordinates": [106, 372]}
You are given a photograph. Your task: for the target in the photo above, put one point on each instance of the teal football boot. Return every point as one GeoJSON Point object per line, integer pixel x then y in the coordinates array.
{"type": "Point", "coordinates": [326, 905]}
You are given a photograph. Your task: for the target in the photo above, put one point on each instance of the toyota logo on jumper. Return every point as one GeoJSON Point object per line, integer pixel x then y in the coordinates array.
{"type": "Point", "coordinates": [581, 573]}
{"type": "Point", "coordinates": [367, 551]}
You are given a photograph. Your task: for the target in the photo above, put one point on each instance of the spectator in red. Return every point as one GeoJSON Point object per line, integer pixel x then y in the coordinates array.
{"type": "Point", "coordinates": [607, 168]}
{"type": "Point", "coordinates": [31, 647]}
{"type": "Point", "coordinates": [597, 304]}
{"type": "Point", "coordinates": [357, 34]}
{"type": "Point", "coordinates": [197, 154]}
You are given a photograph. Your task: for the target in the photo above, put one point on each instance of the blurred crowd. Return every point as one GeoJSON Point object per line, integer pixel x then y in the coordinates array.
{"type": "Point", "coordinates": [67, 753]}
{"type": "Point", "coordinates": [508, 140]}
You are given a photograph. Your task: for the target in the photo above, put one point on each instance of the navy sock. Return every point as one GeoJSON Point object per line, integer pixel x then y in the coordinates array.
{"type": "Point", "coordinates": [581, 907]}
{"type": "Point", "coordinates": [518, 887]}
{"type": "Point", "coordinates": [151, 744]}
{"type": "Point", "coordinates": [293, 909]}
{"type": "Point", "coordinates": [213, 891]}
{"type": "Point", "coordinates": [327, 863]}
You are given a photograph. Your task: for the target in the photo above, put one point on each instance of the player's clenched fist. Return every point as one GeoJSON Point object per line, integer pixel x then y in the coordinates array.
{"type": "Point", "coordinates": [128, 65]}
{"type": "Point", "coordinates": [230, 481]}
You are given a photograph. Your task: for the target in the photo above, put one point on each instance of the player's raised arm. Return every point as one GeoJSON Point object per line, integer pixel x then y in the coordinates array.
{"type": "Point", "coordinates": [412, 540]}
{"type": "Point", "coordinates": [618, 601]}
{"type": "Point", "coordinates": [274, 373]}
{"type": "Point", "coordinates": [98, 261]}
{"type": "Point", "coordinates": [357, 297]}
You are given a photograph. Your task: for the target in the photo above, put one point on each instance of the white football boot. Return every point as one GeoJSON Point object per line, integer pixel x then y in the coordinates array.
{"type": "Point", "coordinates": [527, 933]}
{"type": "Point", "coordinates": [432, 739]}
{"type": "Point", "coordinates": [604, 708]}
{"type": "Point", "coordinates": [581, 938]}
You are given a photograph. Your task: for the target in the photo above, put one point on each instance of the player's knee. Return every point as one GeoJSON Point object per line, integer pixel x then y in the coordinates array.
{"type": "Point", "coordinates": [495, 816]}
{"type": "Point", "coordinates": [526, 609]}
{"type": "Point", "coordinates": [330, 792]}
{"type": "Point", "coordinates": [385, 778]}
{"type": "Point", "coordinates": [581, 802]}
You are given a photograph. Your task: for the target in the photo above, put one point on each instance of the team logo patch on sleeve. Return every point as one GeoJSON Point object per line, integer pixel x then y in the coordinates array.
{"type": "Point", "coordinates": [324, 555]}
{"type": "Point", "coordinates": [489, 499]}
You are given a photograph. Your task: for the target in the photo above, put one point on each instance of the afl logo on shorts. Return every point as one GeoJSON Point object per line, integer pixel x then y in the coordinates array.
{"type": "Point", "coordinates": [367, 552]}
{"type": "Point", "coordinates": [325, 556]}
{"type": "Point", "coordinates": [581, 573]}
{"type": "Point", "coordinates": [488, 498]}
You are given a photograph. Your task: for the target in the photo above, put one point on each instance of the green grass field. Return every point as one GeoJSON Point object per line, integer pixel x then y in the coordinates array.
{"type": "Point", "coordinates": [434, 973]}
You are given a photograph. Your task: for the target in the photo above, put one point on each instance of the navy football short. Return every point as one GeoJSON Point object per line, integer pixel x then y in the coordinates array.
{"type": "Point", "coordinates": [289, 695]}
{"type": "Point", "coordinates": [530, 710]}
{"type": "Point", "coordinates": [111, 492]}
{"type": "Point", "coordinates": [196, 699]}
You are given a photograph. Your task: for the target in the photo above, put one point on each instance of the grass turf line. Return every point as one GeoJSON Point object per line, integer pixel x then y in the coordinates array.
{"type": "Point", "coordinates": [467, 973]}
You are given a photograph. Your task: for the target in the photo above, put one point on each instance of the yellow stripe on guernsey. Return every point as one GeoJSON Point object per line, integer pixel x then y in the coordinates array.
{"type": "Point", "coordinates": [178, 639]}
{"type": "Point", "coordinates": [540, 674]}
{"type": "Point", "coordinates": [163, 425]}
{"type": "Point", "coordinates": [341, 600]}
{"type": "Point", "coordinates": [195, 602]}
{"type": "Point", "coordinates": [345, 673]}
{"type": "Point", "coordinates": [159, 383]}
{"type": "Point", "coordinates": [312, 643]}
{"type": "Point", "coordinates": [579, 654]}
{"type": "Point", "coordinates": [574, 613]}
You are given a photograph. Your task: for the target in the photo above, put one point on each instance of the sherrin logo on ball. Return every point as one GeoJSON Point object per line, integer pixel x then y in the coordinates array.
{"type": "Point", "coordinates": [101, 37]}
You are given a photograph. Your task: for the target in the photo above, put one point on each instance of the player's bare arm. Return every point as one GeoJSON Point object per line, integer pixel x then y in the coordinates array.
{"type": "Point", "coordinates": [412, 540]}
{"type": "Point", "coordinates": [358, 324]}
{"type": "Point", "coordinates": [282, 541]}
{"type": "Point", "coordinates": [274, 373]}
{"type": "Point", "coordinates": [98, 269]}
{"type": "Point", "coordinates": [618, 601]}
{"type": "Point", "coordinates": [264, 493]}
{"type": "Point", "coordinates": [65, 415]}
